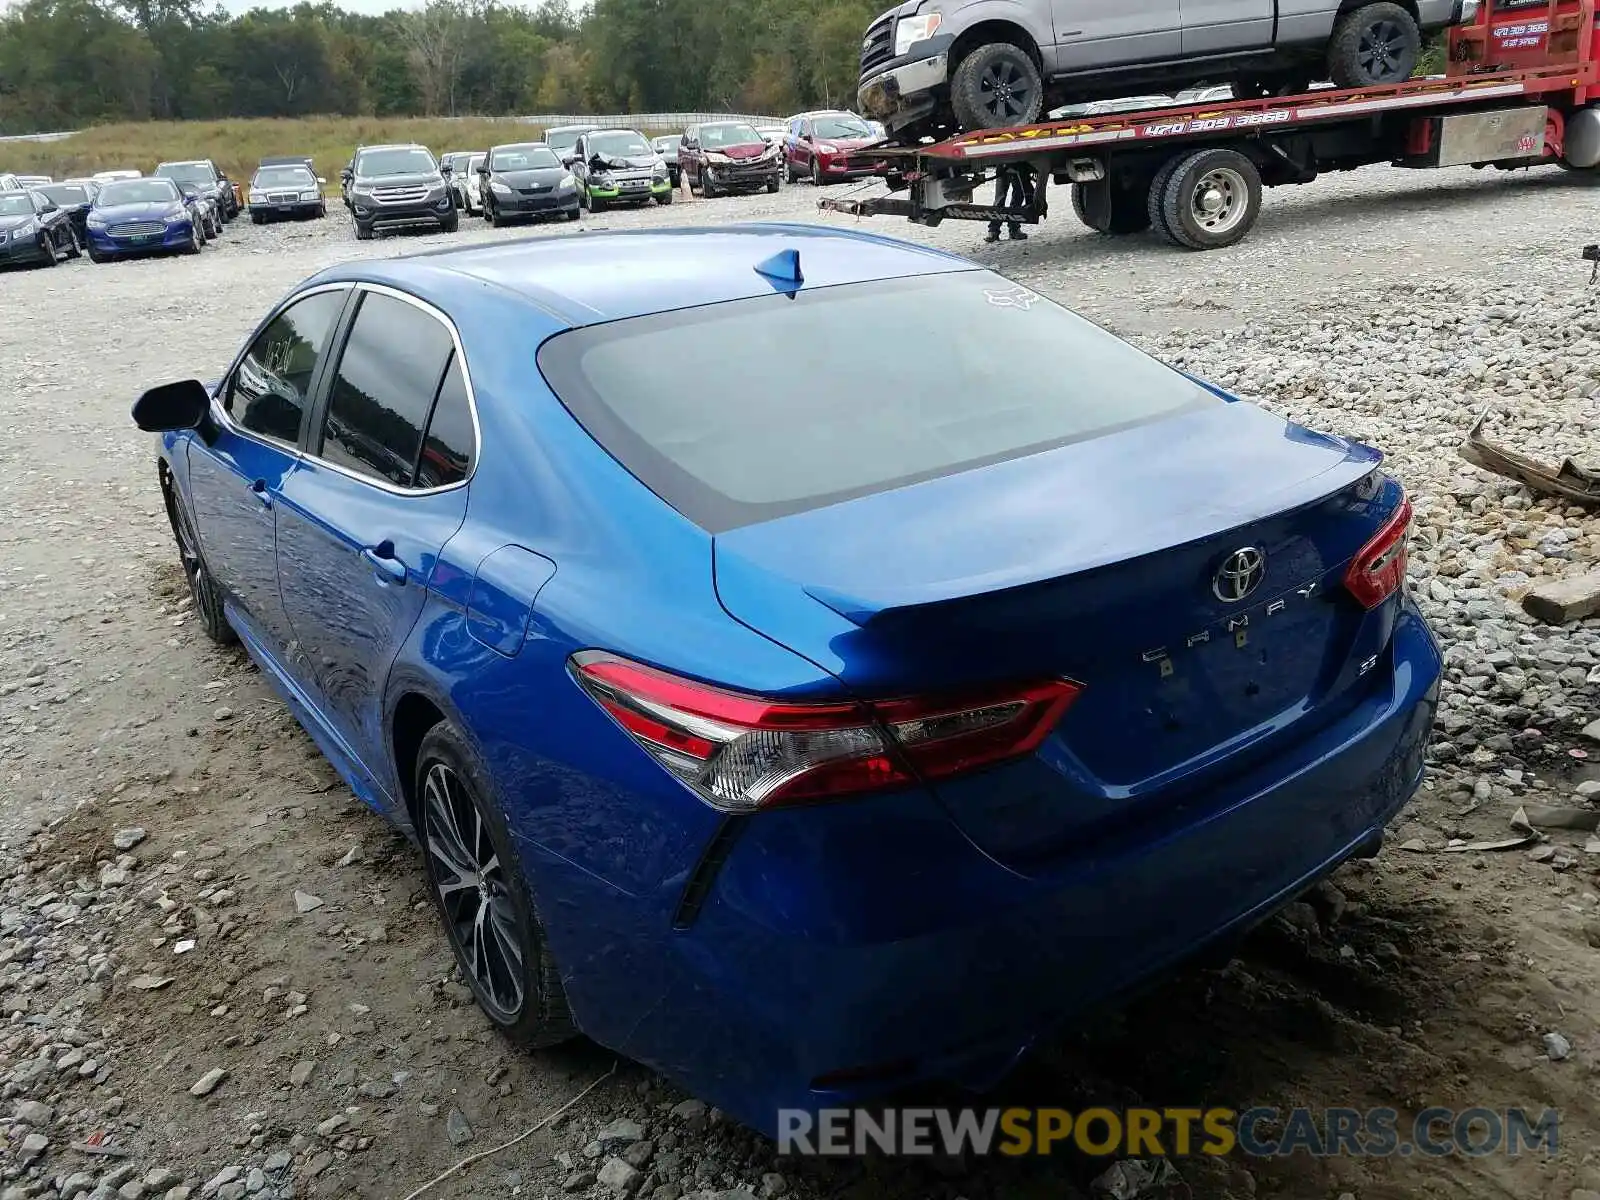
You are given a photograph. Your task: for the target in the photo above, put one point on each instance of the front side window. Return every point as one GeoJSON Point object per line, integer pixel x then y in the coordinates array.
{"type": "Point", "coordinates": [381, 394]}
{"type": "Point", "coordinates": [731, 457]}
{"type": "Point", "coordinates": [271, 385]}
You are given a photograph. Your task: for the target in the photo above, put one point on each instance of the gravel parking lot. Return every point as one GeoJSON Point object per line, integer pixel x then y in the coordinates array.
{"type": "Point", "coordinates": [219, 974]}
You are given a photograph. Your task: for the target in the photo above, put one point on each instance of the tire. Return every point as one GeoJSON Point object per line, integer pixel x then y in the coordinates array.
{"type": "Point", "coordinates": [664, 198]}
{"type": "Point", "coordinates": [95, 256]}
{"type": "Point", "coordinates": [1222, 213]}
{"type": "Point", "coordinates": [363, 232]}
{"type": "Point", "coordinates": [52, 257]}
{"type": "Point", "coordinates": [995, 87]}
{"type": "Point", "coordinates": [788, 171]}
{"type": "Point", "coordinates": [74, 250]}
{"type": "Point", "coordinates": [708, 190]}
{"type": "Point", "coordinates": [203, 589]}
{"type": "Point", "coordinates": [492, 215]}
{"type": "Point", "coordinates": [1155, 200]}
{"type": "Point", "coordinates": [256, 218]}
{"type": "Point", "coordinates": [574, 214]}
{"type": "Point", "coordinates": [1374, 45]}
{"type": "Point", "coordinates": [451, 223]}
{"type": "Point", "coordinates": [596, 205]}
{"type": "Point", "coordinates": [772, 185]}
{"type": "Point", "coordinates": [197, 239]}
{"type": "Point", "coordinates": [476, 879]}
{"type": "Point", "coordinates": [816, 173]}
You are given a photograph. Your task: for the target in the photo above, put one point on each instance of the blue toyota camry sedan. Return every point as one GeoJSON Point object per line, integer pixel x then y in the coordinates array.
{"type": "Point", "coordinates": [802, 735]}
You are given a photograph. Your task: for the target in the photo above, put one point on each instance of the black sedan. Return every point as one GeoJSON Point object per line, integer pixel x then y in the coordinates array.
{"type": "Point", "coordinates": [34, 229]}
{"type": "Point", "coordinates": [74, 199]}
{"type": "Point", "coordinates": [526, 180]}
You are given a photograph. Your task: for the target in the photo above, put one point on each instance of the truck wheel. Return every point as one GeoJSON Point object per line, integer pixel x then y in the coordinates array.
{"type": "Point", "coordinates": [1212, 199]}
{"type": "Point", "coordinates": [1376, 44]}
{"type": "Point", "coordinates": [1108, 209]}
{"type": "Point", "coordinates": [1155, 201]}
{"type": "Point", "coordinates": [995, 87]}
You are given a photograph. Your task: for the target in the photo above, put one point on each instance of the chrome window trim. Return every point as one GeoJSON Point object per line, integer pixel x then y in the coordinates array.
{"type": "Point", "coordinates": [472, 401]}
{"type": "Point", "coordinates": [221, 414]}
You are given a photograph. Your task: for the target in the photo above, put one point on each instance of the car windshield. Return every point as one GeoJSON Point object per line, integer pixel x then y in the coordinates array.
{"type": "Point", "coordinates": [563, 139]}
{"type": "Point", "coordinates": [715, 137]}
{"type": "Point", "coordinates": [66, 194]}
{"type": "Point", "coordinates": [621, 144]}
{"type": "Point", "coordinates": [726, 457]}
{"type": "Point", "coordinates": [16, 204]}
{"type": "Point", "coordinates": [284, 177]}
{"type": "Point", "coordinates": [841, 127]}
{"type": "Point", "coordinates": [186, 172]}
{"type": "Point", "coordinates": [406, 161]}
{"type": "Point", "coordinates": [137, 191]}
{"type": "Point", "coordinates": [523, 158]}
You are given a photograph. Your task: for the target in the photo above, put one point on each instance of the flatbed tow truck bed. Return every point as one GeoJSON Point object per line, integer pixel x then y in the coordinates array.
{"type": "Point", "coordinates": [1519, 91]}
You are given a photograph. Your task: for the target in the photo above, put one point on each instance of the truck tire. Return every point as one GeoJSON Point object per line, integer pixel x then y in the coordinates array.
{"type": "Point", "coordinates": [995, 87]}
{"type": "Point", "coordinates": [1155, 201]}
{"type": "Point", "coordinates": [1106, 208]}
{"type": "Point", "coordinates": [1211, 200]}
{"type": "Point", "coordinates": [1376, 44]}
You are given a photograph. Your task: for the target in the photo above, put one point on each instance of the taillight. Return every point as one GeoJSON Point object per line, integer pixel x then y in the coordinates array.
{"type": "Point", "coordinates": [1377, 572]}
{"type": "Point", "coordinates": [743, 752]}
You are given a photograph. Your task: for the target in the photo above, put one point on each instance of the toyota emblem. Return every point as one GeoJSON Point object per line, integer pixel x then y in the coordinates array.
{"type": "Point", "coordinates": [1239, 575]}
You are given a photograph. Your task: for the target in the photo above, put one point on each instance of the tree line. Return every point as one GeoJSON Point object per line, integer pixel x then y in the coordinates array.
{"type": "Point", "coordinates": [69, 63]}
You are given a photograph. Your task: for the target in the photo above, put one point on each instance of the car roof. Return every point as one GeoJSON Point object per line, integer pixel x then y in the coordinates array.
{"type": "Point", "coordinates": [185, 162]}
{"type": "Point", "coordinates": [616, 274]}
{"type": "Point", "coordinates": [567, 128]}
{"type": "Point", "coordinates": [393, 146]}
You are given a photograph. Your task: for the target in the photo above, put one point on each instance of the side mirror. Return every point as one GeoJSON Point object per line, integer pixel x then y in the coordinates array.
{"type": "Point", "coordinates": [175, 406]}
{"type": "Point", "coordinates": [49, 206]}
{"type": "Point", "coordinates": [806, 137]}
{"type": "Point", "coordinates": [446, 170]}
{"type": "Point", "coordinates": [347, 175]}
{"type": "Point", "coordinates": [321, 181]}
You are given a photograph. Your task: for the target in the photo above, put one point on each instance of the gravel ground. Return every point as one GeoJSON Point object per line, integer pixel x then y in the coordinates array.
{"type": "Point", "coordinates": [217, 964]}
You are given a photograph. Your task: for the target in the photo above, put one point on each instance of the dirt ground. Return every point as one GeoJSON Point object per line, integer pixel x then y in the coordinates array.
{"type": "Point", "coordinates": [356, 1065]}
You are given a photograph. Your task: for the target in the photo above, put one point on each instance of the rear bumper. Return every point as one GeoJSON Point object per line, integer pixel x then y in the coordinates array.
{"type": "Point", "coordinates": [873, 937]}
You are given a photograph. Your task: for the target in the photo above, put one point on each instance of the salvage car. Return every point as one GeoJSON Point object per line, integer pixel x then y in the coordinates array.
{"type": "Point", "coordinates": [619, 166]}
{"type": "Point", "coordinates": [667, 147]}
{"type": "Point", "coordinates": [465, 184]}
{"type": "Point", "coordinates": [818, 147]}
{"type": "Point", "coordinates": [802, 743]}
{"type": "Point", "coordinates": [930, 67]}
{"type": "Point", "coordinates": [727, 156]}
{"type": "Point", "coordinates": [398, 187]}
{"type": "Point", "coordinates": [206, 207]}
{"type": "Point", "coordinates": [526, 179]}
{"type": "Point", "coordinates": [286, 191]}
{"type": "Point", "coordinates": [74, 199]}
{"type": "Point", "coordinates": [143, 216]}
{"type": "Point", "coordinates": [34, 229]}
{"type": "Point", "coordinates": [205, 174]}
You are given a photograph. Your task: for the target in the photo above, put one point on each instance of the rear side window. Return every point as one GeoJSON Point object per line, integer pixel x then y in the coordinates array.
{"type": "Point", "coordinates": [914, 379]}
{"type": "Point", "coordinates": [451, 441]}
{"type": "Point", "coordinates": [268, 392]}
{"type": "Point", "coordinates": [383, 390]}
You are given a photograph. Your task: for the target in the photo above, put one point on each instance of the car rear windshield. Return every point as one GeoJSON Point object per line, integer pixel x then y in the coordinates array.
{"type": "Point", "coordinates": [66, 194]}
{"type": "Point", "coordinates": [285, 177]}
{"type": "Point", "coordinates": [523, 158]}
{"type": "Point", "coordinates": [377, 163]}
{"type": "Point", "coordinates": [714, 137]}
{"type": "Point", "coordinates": [187, 172]}
{"type": "Point", "coordinates": [137, 191]}
{"type": "Point", "coordinates": [904, 380]}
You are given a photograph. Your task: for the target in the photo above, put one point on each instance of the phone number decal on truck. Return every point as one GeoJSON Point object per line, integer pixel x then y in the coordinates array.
{"type": "Point", "coordinates": [1214, 124]}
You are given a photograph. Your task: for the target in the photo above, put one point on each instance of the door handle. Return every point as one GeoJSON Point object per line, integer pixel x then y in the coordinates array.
{"type": "Point", "coordinates": [258, 489]}
{"type": "Point", "coordinates": [382, 560]}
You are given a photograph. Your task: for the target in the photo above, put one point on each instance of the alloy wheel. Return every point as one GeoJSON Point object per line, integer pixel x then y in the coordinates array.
{"type": "Point", "coordinates": [1007, 93]}
{"type": "Point", "coordinates": [1382, 52]}
{"type": "Point", "coordinates": [201, 588]}
{"type": "Point", "coordinates": [474, 892]}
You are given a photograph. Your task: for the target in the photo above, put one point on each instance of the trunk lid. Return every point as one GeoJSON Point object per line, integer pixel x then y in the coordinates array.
{"type": "Point", "coordinates": [1102, 561]}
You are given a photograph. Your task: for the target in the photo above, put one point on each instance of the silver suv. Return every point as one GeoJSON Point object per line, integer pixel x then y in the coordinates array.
{"type": "Point", "coordinates": [932, 66]}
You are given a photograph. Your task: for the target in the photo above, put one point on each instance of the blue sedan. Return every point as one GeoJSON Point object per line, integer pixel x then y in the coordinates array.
{"type": "Point", "coordinates": [143, 216]}
{"type": "Point", "coordinates": [800, 736]}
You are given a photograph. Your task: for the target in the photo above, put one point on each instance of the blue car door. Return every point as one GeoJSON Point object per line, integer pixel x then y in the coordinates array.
{"type": "Point", "coordinates": [363, 517]}
{"type": "Point", "coordinates": [235, 482]}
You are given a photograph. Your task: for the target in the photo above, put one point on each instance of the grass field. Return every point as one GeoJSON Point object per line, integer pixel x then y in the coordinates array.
{"type": "Point", "coordinates": [237, 146]}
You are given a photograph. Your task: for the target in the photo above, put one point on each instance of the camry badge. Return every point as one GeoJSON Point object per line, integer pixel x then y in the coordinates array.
{"type": "Point", "coordinates": [1239, 575]}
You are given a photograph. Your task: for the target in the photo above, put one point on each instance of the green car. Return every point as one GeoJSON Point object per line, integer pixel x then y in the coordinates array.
{"type": "Point", "coordinates": [619, 166]}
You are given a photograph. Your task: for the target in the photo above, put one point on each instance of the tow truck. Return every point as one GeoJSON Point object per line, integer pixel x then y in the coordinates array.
{"type": "Point", "coordinates": [1518, 90]}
